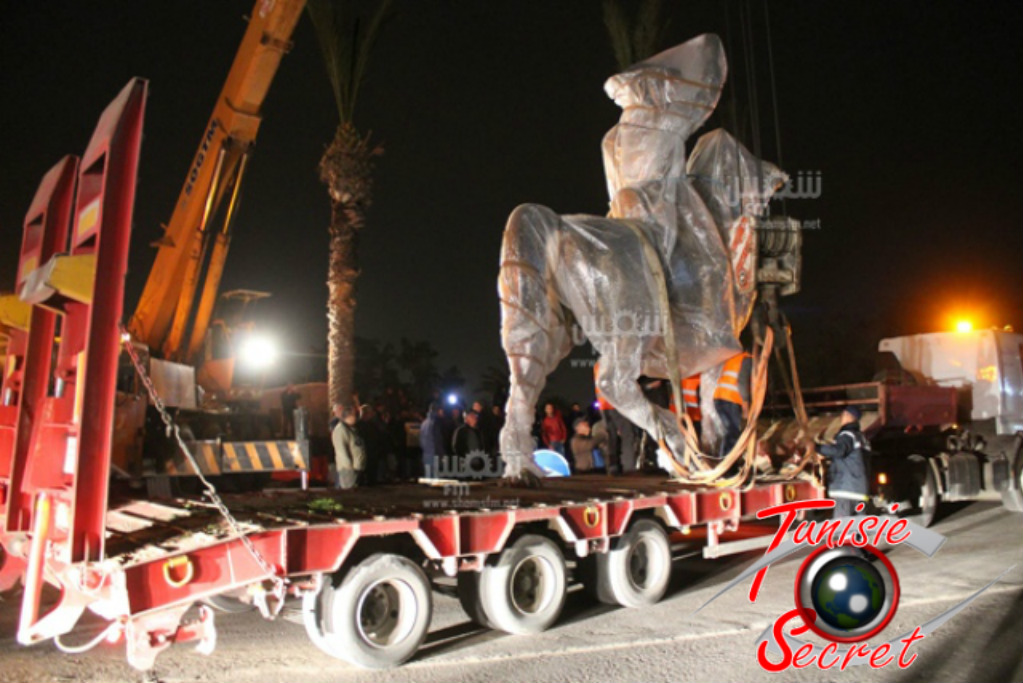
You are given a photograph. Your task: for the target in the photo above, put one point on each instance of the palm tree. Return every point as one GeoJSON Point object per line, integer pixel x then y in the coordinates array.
{"type": "Point", "coordinates": [346, 39]}
{"type": "Point", "coordinates": [636, 37]}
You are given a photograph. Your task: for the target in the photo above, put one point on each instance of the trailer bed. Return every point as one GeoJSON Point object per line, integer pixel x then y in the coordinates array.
{"type": "Point", "coordinates": [139, 531]}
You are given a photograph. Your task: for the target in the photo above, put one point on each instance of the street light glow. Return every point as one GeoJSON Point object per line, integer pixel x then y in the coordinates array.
{"type": "Point", "coordinates": [452, 399]}
{"type": "Point", "coordinates": [259, 353]}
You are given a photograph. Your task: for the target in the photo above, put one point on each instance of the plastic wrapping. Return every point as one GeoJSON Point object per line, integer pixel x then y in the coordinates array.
{"type": "Point", "coordinates": [673, 261]}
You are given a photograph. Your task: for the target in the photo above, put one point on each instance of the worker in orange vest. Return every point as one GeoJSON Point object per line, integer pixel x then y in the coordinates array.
{"type": "Point", "coordinates": [732, 397]}
{"type": "Point", "coordinates": [622, 443]}
{"type": "Point", "coordinates": [691, 400]}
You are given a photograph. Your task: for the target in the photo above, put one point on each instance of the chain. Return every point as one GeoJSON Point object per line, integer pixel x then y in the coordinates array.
{"type": "Point", "coordinates": [211, 491]}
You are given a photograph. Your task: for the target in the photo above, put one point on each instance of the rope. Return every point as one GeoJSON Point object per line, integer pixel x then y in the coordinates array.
{"type": "Point", "coordinates": [809, 456]}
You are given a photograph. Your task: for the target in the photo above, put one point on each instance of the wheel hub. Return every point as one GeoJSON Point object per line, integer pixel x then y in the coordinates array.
{"type": "Point", "coordinates": [639, 564]}
{"type": "Point", "coordinates": [530, 585]}
{"type": "Point", "coordinates": [386, 613]}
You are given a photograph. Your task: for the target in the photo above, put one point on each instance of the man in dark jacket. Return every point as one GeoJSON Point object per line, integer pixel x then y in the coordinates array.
{"type": "Point", "coordinates": [847, 471]}
{"type": "Point", "coordinates": [378, 447]}
{"type": "Point", "coordinates": [468, 439]}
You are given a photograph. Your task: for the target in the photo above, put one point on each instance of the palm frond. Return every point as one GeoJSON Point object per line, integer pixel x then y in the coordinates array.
{"type": "Point", "coordinates": [617, 24]}
{"type": "Point", "coordinates": [634, 35]}
{"type": "Point", "coordinates": [346, 37]}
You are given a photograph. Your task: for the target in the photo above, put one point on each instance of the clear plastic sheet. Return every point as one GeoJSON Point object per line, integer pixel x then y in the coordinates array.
{"type": "Point", "coordinates": [662, 265]}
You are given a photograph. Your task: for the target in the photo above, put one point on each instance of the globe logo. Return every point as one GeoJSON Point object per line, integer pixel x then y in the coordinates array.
{"type": "Point", "coordinates": [847, 594]}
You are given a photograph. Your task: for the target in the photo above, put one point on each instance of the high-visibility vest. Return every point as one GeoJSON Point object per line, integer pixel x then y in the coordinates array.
{"type": "Point", "coordinates": [601, 401]}
{"type": "Point", "coordinates": [691, 397]}
{"type": "Point", "coordinates": [728, 384]}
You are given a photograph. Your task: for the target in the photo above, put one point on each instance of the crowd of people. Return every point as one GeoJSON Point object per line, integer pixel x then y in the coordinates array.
{"type": "Point", "coordinates": [379, 443]}
{"type": "Point", "coordinates": [376, 443]}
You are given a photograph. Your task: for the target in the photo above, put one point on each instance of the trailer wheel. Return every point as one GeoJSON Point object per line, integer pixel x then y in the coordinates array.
{"type": "Point", "coordinates": [927, 503]}
{"type": "Point", "coordinates": [469, 596]}
{"type": "Point", "coordinates": [377, 617]}
{"type": "Point", "coordinates": [524, 590]}
{"type": "Point", "coordinates": [636, 572]}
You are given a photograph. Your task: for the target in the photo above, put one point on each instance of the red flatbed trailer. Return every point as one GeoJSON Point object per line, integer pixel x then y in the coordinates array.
{"type": "Point", "coordinates": [165, 556]}
{"type": "Point", "coordinates": [355, 558]}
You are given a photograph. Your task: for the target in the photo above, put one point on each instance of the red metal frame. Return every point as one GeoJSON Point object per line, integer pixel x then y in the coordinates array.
{"type": "Point", "coordinates": [44, 234]}
{"type": "Point", "coordinates": [59, 481]}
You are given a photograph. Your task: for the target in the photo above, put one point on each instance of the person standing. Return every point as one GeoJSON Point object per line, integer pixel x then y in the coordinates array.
{"type": "Point", "coordinates": [468, 439]}
{"type": "Point", "coordinates": [376, 442]}
{"type": "Point", "coordinates": [847, 469]}
{"type": "Point", "coordinates": [731, 399]}
{"type": "Point", "coordinates": [349, 450]}
{"type": "Point", "coordinates": [583, 445]}
{"type": "Point", "coordinates": [431, 439]}
{"type": "Point", "coordinates": [486, 424]}
{"type": "Point", "coordinates": [622, 444]}
{"type": "Point", "coordinates": [553, 431]}
{"type": "Point", "coordinates": [451, 421]}
{"type": "Point", "coordinates": [289, 402]}
{"type": "Point", "coordinates": [574, 413]}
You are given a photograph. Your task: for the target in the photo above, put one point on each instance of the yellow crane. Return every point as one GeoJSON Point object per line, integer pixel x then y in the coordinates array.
{"type": "Point", "coordinates": [193, 249]}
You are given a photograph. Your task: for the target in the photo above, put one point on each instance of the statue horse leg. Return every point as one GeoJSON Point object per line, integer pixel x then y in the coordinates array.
{"type": "Point", "coordinates": [534, 333]}
{"type": "Point", "coordinates": [618, 384]}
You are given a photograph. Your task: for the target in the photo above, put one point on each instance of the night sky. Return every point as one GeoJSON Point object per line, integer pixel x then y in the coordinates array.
{"type": "Point", "coordinates": [910, 111]}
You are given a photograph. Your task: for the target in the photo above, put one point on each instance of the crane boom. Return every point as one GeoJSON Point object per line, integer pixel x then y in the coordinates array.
{"type": "Point", "coordinates": [191, 254]}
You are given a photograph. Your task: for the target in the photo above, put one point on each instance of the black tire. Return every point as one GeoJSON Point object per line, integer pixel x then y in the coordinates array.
{"type": "Point", "coordinates": [927, 489]}
{"type": "Point", "coordinates": [378, 616]}
{"type": "Point", "coordinates": [524, 590]}
{"type": "Point", "coordinates": [312, 616]}
{"type": "Point", "coordinates": [469, 596]}
{"type": "Point", "coordinates": [636, 572]}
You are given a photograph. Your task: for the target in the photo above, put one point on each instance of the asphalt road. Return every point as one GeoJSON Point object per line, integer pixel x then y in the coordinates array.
{"type": "Point", "coordinates": [596, 643]}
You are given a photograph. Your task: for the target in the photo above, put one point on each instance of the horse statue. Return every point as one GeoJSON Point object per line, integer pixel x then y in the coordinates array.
{"type": "Point", "coordinates": [664, 284]}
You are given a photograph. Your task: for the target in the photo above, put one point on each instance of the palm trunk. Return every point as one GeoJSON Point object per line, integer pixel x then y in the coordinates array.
{"type": "Point", "coordinates": [346, 169]}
